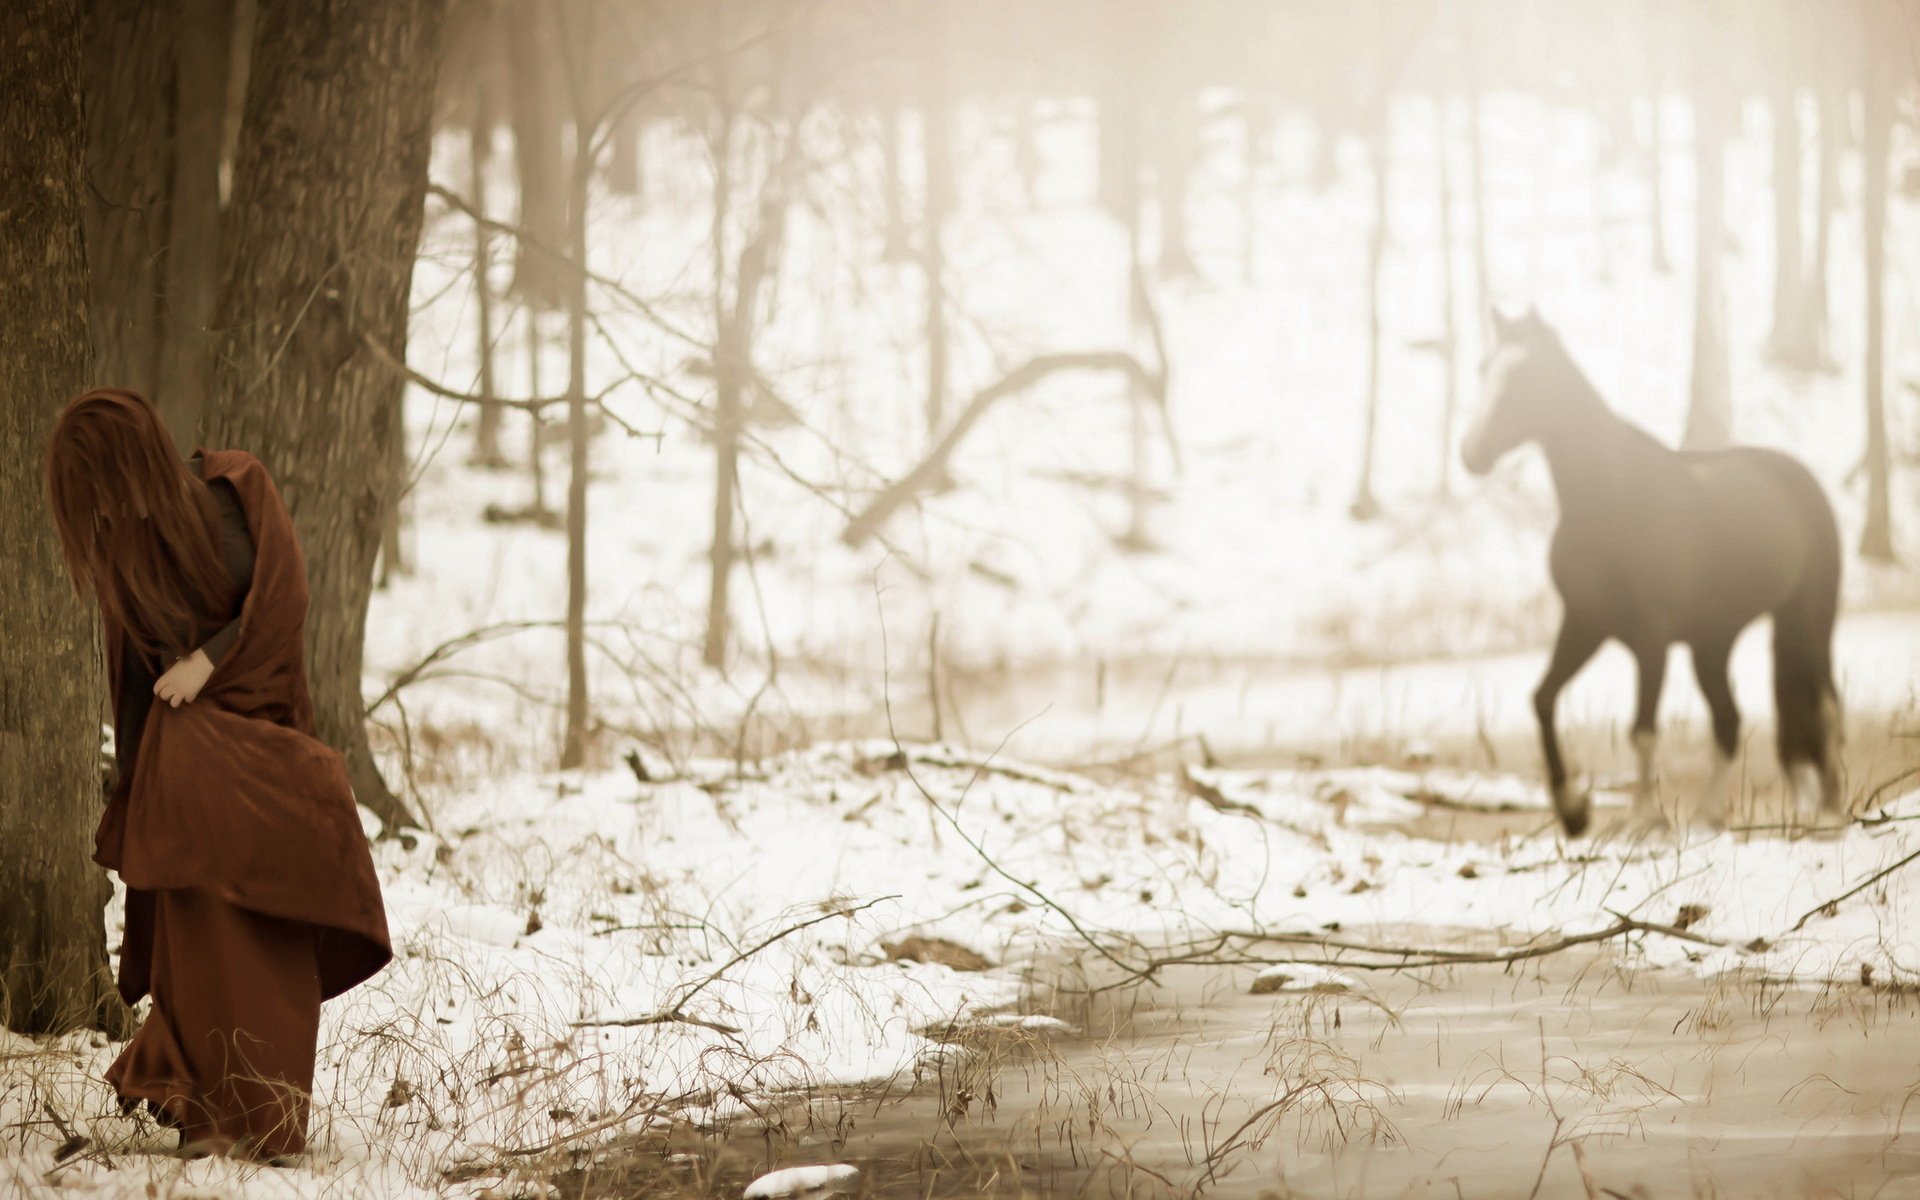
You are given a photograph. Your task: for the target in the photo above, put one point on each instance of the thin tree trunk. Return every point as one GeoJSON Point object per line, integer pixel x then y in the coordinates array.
{"type": "Point", "coordinates": [1656, 137]}
{"type": "Point", "coordinates": [1876, 537]}
{"type": "Point", "coordinates": [1259, 127]}
{"type": "Point", "coordinates": [193, 253]}
{"type": "Point", "coordinates": [1365, 506]}
{"type": "Point", "coordinates": [727, 375]}
{"type": "Point", "coordinates": [486, 439]}
{"type": "Point", "coordinates": [573, 751]}
{"type": "Point", "coordinates": [53, 954]}
{"type": "Point", "coordinates": [626, 169]}
{"type": "Point", "coordinates": [328, 195]}
{"type": "Point", "coordinates": [1026, 148]}
{"type": "Point", "coordinates": [538, 154]}
{"type": "Point", "coordinates": [536, 422]}
{"type": "Point", "coordinates": [1119, 145]}
{"type": "Point", "coordinates": [899, 242]}
{"type": "Point", "coordinates": [1137, 537]}
{"type": "Point", "coordinates": [1826, 199]}
{"type": "Point", "coordinates": [1449, 301]}
{"type": "Point", "coordinates": [130, 96]}
{"type": "Point", "coordinates": [1793, 341]}
{"type": "Point", "coordinates": [936, 146]}
{"type": "Point", "coordinates": [1656, 183]}
{"type": "Point", "coordinates": [1476, 166]}
{"type": "Point", "coordinates": [1176, 149]}
{"type": "Point", "coordinates": [1710, 400]}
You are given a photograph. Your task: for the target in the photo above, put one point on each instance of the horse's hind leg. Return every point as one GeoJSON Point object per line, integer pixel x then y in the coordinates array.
{"type": "Point", "coordinates": [1577, 641]}
{"type": "Point", "coordinates": [1807, 723]}
{"type": "Point", "coordinates": [1710, 668]}
{"type": "Point", "coordinates": [1809, 736]}
{"type": "Point", "coordinates": [1653, 673]}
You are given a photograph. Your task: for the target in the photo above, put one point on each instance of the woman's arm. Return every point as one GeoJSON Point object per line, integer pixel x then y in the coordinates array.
{"type": "Point", "coordinates": [182, 682]}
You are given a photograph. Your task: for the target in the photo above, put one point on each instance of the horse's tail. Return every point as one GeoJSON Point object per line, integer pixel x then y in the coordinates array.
{"type": "Point", "coordinates": [1806, 704]}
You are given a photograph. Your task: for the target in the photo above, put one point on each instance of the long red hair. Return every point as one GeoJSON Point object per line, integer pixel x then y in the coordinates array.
{"type": "Point", "coordinates": [138, 529]}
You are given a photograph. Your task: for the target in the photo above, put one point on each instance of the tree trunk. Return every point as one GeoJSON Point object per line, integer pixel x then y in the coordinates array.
{"type": "Point", "coordinates": [1138, 537]}
{"type": "Point", "coordinates": [53, 954]}
{"type": "Point", "coordinates": [1786, 341]}
{"type": "Point", "coordinates": [1259, 127]}
{"type": "Point", "coordinates": [1477, 167]}
{"type": "Point", "coordinates": [573, 752]}
{"type": "Point", "coordinates": [1656, 138]}
{"type": "Point", "coordinates": [1826, 199]}
{"type": "Point", "coordinates": [1710, 402]}
{"type": "Point", "coordinates": [1876, 537]}
{"type": "Point", "coordinates": [1449, 335]}
{"type": "Point", "coordinates": [130, 95]}
{"type": "Point", "coordinates": [936, 146]}
{"type": "Point", "coordinates": [727, 375]}
{"type": "Point", "coordinates": [329, 186]}
{"type": "Point", "coordinates": [1175, 145]}
{"type": "Point", "coordinates": [899, 242]}
{"type": "Point", "coordinates": [1119, 148]}
{"type": "Point", "coordinates": [203, 53]}
{"type": "Point", "coordinates": [626, 169]}
{"type": "Point", "coordinates": [538, 154]}
{"type": "Point", "coordinates": [1365, 506]}
{"type": "Point", "coordinates": [486, 439]}
{"type": "Point", "coordinates": [1027, 163]}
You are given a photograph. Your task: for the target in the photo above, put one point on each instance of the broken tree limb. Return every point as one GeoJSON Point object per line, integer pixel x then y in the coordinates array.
{"type": "Point", "coordinates": [932, 468]}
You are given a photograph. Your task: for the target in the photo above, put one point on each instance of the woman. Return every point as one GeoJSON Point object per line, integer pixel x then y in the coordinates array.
{"type": "Point", "coordinates": [251, 895]}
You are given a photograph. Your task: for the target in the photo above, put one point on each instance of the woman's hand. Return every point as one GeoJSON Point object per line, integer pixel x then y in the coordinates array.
{"type": "Point", "coordinates": [184, 679]}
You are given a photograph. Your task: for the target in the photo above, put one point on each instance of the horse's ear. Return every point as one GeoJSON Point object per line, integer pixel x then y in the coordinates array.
{"type": "Point", "coordinates": [1501, 324]}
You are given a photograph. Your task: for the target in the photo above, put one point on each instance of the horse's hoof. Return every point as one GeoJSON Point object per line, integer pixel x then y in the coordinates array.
{"type": "Point", "coordinates": [1575, 812]}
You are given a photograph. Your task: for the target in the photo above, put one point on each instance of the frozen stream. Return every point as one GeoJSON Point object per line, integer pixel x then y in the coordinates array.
{"type": "Point", "coordinates": [1436, 1083]}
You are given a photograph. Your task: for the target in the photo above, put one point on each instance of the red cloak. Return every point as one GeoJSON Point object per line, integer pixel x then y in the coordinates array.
{"type": "Point", "coordinates": [232, 793]}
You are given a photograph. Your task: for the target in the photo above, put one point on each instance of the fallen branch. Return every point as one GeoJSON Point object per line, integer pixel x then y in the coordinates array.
{"type": "Point", "coordinates": [932, 468]}
{"type": "Point", "coordinates": [1215, 797]}
{"type": "Point", "coordinates": [1833, 905]}
{"type": "Point", "coordinates": [943, 757]}
{"type": "Point", "coordinates": [674, 1014]}
{"type": "Point", "coordinates": [1412, 957]}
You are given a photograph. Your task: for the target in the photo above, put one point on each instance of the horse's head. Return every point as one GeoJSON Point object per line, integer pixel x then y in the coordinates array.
{"type": "Point", "coordinates": [1515, 390]}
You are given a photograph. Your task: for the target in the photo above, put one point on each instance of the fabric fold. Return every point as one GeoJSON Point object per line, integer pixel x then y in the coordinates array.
{"type": "Point", "coordinates": [233, 794]}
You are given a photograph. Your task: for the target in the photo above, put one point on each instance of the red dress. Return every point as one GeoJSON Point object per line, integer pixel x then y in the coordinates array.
{"type": "Point", "coordinates": [251, 895]}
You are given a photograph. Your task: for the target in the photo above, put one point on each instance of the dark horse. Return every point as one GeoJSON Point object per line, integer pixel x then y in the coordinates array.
{"type": "Point", "coordinates": [1657, 546]}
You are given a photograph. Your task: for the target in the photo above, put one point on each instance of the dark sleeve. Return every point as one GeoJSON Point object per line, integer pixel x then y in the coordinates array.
{"type": "Point", "coordinates": [216, 647]}
{"type": "Point", "coordinates": [236, 551]}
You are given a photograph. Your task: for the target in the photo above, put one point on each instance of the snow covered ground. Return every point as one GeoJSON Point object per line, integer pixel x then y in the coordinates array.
{"type": "Point", "coordinates": [737, 918]}
{"type": "Point", "coordinates": [744, 921]}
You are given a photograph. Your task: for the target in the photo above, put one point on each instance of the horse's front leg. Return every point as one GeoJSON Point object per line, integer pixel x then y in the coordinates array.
{"type": "Point", "coordinates": [1579, 638]}
{"type": "Point", "coordinates": [1710, 657]}
{"type": "Point", "coordinates": [1652, 661]}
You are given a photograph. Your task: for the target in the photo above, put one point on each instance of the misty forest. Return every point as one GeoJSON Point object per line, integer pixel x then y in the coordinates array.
{"type": "Point", "coordinates": [1282, 598]}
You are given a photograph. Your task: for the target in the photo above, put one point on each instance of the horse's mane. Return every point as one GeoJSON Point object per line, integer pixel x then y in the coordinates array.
{"type": "Point", "coordinates": [1567, 380]}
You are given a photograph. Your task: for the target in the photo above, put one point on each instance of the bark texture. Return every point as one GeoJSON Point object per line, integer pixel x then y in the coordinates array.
{"type": "Point", "coordinates": [129, 86]}
{"type": "Point", "coordinates": [53, 955]}
{"type": "Point", "coordinates": [318, 253]}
